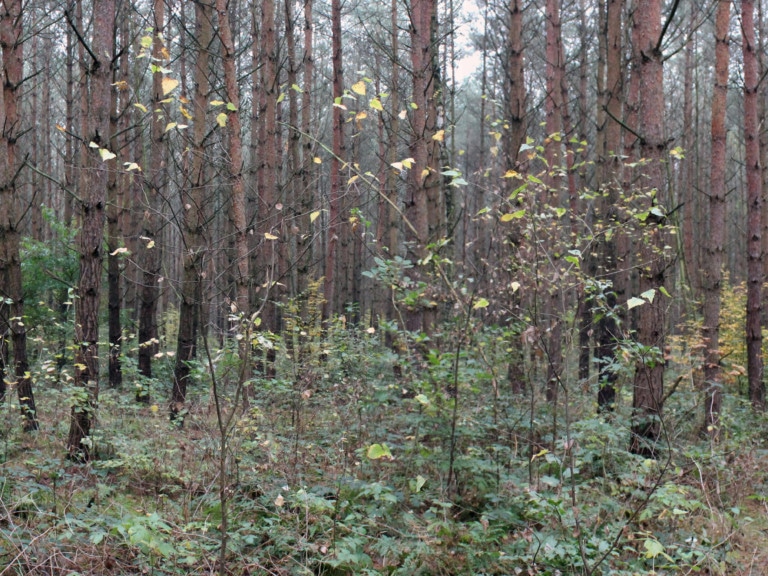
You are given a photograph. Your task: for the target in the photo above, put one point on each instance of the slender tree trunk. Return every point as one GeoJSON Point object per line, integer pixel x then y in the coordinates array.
{"type": "Point", "coordinates": [338, 150]}
{"type": "Point", "coordinates": [515, 85]}
{"type": "Point", "coordinates": [424, 179]}
{"type": "Point", "coordinates": [195, 216]}
{"type": "Point", "coordinates": [685, 181]}
{"type": "Point", "coordinates": [648, 390]}
{"type": "Point", "coordinates": [115, 195]}
{"type": "Point", "coordinates": [712, 272]}
{"type": "Point", "coordinates": [11, 37]}
{"type": "Point", "coordinates": [608, 332]}
{"type": "Point", "coordinates": [242, 275]}
{"type": "Point", "coordinates": [754, 209]}
{"type": "Point", "coordinates": [306, 249]}
{"type": "Point", "coordinates": [269, 227]}
{"type": "Point", "coordinates": [150, 254]}
{"type": "Point", "coordinates": [293, 197]}
{"type": "Point", "coordinates": [553, 155]}
{"type": "Point", "coordinates": [93, 195]}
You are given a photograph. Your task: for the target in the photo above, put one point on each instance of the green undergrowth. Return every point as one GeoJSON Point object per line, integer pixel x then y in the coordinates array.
{"type": "Point", "coordinates": [362, 460]}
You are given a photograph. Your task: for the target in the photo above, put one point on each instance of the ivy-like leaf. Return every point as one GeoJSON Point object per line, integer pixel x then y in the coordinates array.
{"type": "Point", "coordinates": [377, 451]}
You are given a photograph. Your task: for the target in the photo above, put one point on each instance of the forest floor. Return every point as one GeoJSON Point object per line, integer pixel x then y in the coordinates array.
{"type": "Point", "coordinates": [353, 468]}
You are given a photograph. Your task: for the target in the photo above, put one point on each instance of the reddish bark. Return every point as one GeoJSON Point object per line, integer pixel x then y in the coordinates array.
{"type": "Point", "coordinates": [338, 150]}
{"type": "Point", "coordinates": [754, 209]}
{"type": "Point", "coordinates": [194, 217]}
{"type": "Point", "coordinates": [150, 254]}
{"type": "Point", "coordinates": [92, 190]}
{"type": "Point", "coordinates": [712, 272]}
{"type": "Point", "coordinates": [11, 204]}
{"type": "Point", "coordinates": [648, 389]}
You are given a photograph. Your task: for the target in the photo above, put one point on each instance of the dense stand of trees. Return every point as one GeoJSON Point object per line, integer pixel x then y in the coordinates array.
{"type": "Point", "coordinates": [222, 159]}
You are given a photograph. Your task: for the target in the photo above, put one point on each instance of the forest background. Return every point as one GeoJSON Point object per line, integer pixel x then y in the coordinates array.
{"type": "Point", "coordinates": [285, 289]}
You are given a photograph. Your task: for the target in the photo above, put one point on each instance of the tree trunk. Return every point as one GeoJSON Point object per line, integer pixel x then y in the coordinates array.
{"type": "Point", "coordinates": [712, 272]}
{"type": "Point", "coordinates": [11, 35]}
{"type": "Point", "coordinates": [423, 177]}
{"type": "Point", "coordinates": [648, 389]}
{"type": "Point", "coordinates": [754, 209]}
{"type": "Point", "coordinates": [150, 253]}
{"type": "Point", "coordinates": [553, 156]}
{"type": "Point", "coordinates": [338, 151]}
{"type": "Point", "coordinates": [608, 331]}
{"type": "Point", "coordinates": [194, 204]}
{"type": "Point", "coordinates": [93, 195]}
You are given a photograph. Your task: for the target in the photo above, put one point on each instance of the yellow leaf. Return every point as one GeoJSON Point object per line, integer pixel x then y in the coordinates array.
{"type": "Point", "coordinates": [132, 166]}
{"type": "Point", "coordinates": [119, 251]}
{"type": "Point", "coordinates": [217, 103]}
{"type": "Point", "coordinates": [361, 116]}
{"type": "Point", "coordinates": [141, 107]}
{"type": "Point", "coordinates": [154, 408]}
{"type": "Point", "coordinates": [354, 179]}
{"type": "Point", "coordinates": [359, 88]}
{"type": "Point", "coordinates": [146, 41]}
{"type": "Point", "coordinates": [408, 163]}
{"type": "Point", "coordinates": [314, 216]}
{"type": "Point", "coordinates": [439, 135]}
{"type": "Point", "coordinates": [402, 115]}
{"type": "Point", "coordinates": [169, 85]}
{"type": "Point", "coordinates": [317, 160]}
{"type": "Point", "coordinates": [269, 236]}
{"type": "Point", "coordinates": [397, 166]}
{"type": "Point", "coordinates": [150, 244]}
{"type": "Point", "coordinates": [106, 154]}
{"type": "Point", "coordinates": [121, 85]}
{"type": "Point", "coordinates": [185, 113]}
{"type": "Point", "coordinates": [376, 105]}
{"type": "Point", "coordinates": [221, 119]}
{"type": "Point", "coordinates": [60, 128]}
{"type": "Point", "coordinates": [424, 173]}
{"type": "Point", "coordinates": [170, 126]}
{"type": "Point", "coordinates": [510, 174]}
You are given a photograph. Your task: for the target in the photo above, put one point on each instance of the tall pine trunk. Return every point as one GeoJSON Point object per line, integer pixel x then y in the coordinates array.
{"type": "Point", "coordinates": [712, 272]}
{"type": "Point", "coordinates": [92, 191]}
{"type": "Point", "coordinates": [754, 209]}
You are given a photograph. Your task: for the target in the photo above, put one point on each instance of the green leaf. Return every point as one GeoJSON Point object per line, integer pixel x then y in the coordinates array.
{"type": "Point", "coordinates": [664, 291]}
{"type": "Point", "coordinates": [416, 484]}
{"type": "Point", "coordinates": [535, 180]}
{"type": "Point", "coordinates": [653, 548]}
{"type": "Point", "coordinates": [422, 399]}
{"type": "Point", "coordinates": [481, 303]}
{"type": "Point", "coordinates": [512, 215]}
{"type": "Point", "coordinates": [377, 451]}
{"type": "Point", "coordinates": [231, 107]}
